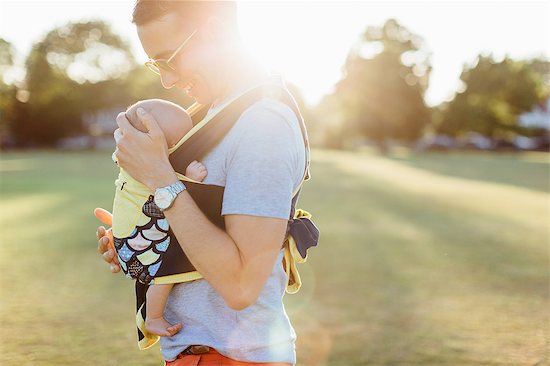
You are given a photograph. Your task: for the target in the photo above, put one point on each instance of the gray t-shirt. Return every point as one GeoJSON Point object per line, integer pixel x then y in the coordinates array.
{"type": "Point", "coordinates": [260, 162]}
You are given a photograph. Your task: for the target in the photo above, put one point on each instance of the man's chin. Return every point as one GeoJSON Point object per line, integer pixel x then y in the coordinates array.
{"type": "Point", "coordinates": [200, 94]}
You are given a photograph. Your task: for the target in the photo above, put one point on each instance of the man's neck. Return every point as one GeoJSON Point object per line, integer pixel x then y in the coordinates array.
{"type": "Point", "coordinates": [246, 72]}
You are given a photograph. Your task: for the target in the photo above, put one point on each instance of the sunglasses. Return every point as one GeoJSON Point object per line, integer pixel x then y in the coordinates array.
{"type": "Point", "coordinates": [164, 64]}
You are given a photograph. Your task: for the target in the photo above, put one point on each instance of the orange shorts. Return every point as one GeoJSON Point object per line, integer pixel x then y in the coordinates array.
{"type": "Point", "coordinates": [213, 358]}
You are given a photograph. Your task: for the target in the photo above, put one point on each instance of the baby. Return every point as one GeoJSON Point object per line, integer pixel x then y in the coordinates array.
{"type": "Point", "coordinates": [137, 233]}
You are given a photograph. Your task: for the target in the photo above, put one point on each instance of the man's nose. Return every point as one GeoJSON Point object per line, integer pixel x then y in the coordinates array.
{"type": "Point", "coordinates": [168, 79]}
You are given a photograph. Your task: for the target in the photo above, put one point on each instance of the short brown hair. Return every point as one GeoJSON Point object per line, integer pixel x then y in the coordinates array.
{"type": "Point", "coordinates": [195, 11]}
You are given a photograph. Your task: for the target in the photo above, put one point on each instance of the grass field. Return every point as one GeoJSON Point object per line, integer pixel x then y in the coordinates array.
{"type": "Point", "coordinates": [424, 259]}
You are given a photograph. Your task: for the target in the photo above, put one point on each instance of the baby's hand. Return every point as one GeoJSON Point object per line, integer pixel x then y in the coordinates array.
{"type": "Point", "coordinates": [196, 171]}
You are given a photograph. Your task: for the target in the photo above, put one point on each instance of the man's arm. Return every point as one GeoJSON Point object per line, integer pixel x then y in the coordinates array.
{"type": "Point", "coordinates": [259, 237]}
{"type": "Point", "coordinates": [238, 261]}
{"type": "Point", "coordinates": [105, 245]}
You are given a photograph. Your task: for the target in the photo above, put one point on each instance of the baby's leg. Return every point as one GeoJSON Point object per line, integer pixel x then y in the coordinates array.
{"type": "Point", "coordinates": [155, 322]}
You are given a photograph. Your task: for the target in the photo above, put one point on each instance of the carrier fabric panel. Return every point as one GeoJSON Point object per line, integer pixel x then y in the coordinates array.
{"type": "Point", "coordinates": [209, 199]}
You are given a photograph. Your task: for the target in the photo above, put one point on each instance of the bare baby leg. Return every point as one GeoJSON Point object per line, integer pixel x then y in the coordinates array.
{"type": "Point", "coordinates": [155, 322]}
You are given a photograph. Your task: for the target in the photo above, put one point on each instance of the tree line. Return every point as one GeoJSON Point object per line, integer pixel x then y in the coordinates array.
{"type": "Point", "coordinates": [77, 69]}
{"type": "Point", "coordinates": [84, 68]}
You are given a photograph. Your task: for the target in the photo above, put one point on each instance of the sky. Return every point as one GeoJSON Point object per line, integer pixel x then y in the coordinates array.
{"type": "Point", "coordinates": [308, 41]}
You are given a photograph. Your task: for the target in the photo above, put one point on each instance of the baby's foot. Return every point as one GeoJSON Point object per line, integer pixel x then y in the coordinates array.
{"type": "Point", "coordinates": [196, 171]}
{"type": "Point", "coordinates": [161, 327]}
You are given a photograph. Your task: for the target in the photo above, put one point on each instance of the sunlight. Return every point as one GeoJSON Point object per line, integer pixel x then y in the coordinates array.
{"type": "Point", "coordinates": [290, 38]}
{"type": "Point", "coordinates": [308, 40]}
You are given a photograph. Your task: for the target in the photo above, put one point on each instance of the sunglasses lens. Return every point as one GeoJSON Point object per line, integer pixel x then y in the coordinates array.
{"type": "Point", "coordinates": [153, 67]}
{"type": "Point", "coordinates": [156, 66]}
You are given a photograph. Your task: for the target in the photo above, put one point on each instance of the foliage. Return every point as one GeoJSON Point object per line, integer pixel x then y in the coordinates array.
{"type": "Point", "coordinates": [64, 72]}
{"type": "Point", "coordinates": [381, 94]}
{"type": "Point", "coordinates": [495, 94]}
{"type": "Point", "coordinates": [79, 68]}
{"type": "Point", "coordinates": [85, 69]}
{"type": "Point", "coordinates": [7, 92]}
{"type": "Point", "coordinates": [6, 55]}
{"type": "Point", "coordinates": [541, 67]}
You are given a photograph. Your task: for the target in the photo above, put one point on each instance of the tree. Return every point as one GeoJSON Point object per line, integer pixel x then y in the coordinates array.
{"type": "Point", "coordinates": [7, 92]}
{"type": "Point", "coordinates": [6, 55]}
{"type": "Point", "coordinates": [495, 94]}
{"type": "Point", "coordinates": [381, 95]}
{"type": "Point", "coordinates": [541, 67]}
{"type": "Point", "coordinates": [61, 72]}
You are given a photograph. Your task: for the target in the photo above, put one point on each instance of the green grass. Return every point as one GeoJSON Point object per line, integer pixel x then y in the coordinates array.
{"type": "Point", "coordinates": [424, 259]}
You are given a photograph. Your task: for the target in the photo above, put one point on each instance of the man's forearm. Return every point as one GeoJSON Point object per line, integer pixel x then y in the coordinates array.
{"type": "Point", "coordinates": [236, 261]}
{"type": "Point", "coordinates": [210, 249]}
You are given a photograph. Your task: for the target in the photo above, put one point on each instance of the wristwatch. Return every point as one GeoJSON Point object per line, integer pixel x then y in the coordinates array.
{"type": "Point", "coordinates": [165, 196]}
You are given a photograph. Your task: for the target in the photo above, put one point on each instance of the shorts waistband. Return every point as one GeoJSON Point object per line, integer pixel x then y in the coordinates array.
{"type": "Point", "coordinates": [208, 355]}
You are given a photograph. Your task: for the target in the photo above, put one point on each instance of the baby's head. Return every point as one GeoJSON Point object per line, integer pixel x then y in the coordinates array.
{"type": "Point", "coordinates": [172, 119]}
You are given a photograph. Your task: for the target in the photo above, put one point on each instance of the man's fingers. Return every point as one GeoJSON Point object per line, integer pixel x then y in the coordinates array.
{"type": "Point", "coordinates": [123, 123]}
{"type": "Point", "coordinates": [108, 256]}
{"type": "Point", "coordinates": [117, 135]}
{"type": "Point", "coordinates": [104, 216]}
{"type": "Point", "coordinates": [103, 245]}
{"type": "Point", "coordinates": [115, 268]}
{"type": "Point", "coordinates": [100, 232]}
{"type": "Point", "coordinates": [149, 122]}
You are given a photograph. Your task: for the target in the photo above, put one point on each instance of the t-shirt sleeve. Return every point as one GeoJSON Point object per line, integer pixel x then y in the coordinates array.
{"type": "Point", "coordinates": [261, 166]}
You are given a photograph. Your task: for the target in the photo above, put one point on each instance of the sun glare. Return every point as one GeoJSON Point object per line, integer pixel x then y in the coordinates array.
{"type": "Point", "coordinates": [290, 38]}
{"type": "Point", "coordinates": [308, 41]}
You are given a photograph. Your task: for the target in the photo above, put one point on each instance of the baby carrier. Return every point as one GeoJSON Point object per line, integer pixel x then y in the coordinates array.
{"type": "Point", "coordinates": [163, 261]}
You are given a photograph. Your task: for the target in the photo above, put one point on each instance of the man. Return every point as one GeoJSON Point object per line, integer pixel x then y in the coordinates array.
{"type": "Point", "coordinates": [237, 308]}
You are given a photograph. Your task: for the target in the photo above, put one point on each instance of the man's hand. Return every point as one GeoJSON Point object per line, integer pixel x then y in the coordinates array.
{"type": "Point", "coordinates": [143, 155]}
{"type": "Point", "coordinates": [105, 245]}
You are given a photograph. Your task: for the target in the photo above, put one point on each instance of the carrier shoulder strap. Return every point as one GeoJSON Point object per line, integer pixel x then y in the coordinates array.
{"type": "Point", "coordinates": [206, 137]}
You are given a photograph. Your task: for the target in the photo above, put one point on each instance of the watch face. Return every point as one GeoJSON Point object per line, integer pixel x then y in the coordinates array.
{"type": "Point", "coordinates": [163, 198]}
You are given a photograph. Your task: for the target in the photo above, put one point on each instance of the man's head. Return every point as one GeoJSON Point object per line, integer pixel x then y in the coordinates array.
{"type": "Point", "coordinates": [173, 120]}
{"type": "Point", "coordinates": [207, 32]}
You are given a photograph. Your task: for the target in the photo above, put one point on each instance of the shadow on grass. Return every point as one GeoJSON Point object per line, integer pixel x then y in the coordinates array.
{"type": "Point", "coordinates": [470, 237]}
{"type": "Point", "coordinates": [378, 279]}
{"type": "Point", "coordinates": [64, 306]}
{"type": "Point", "coordinates": [525, 170]}
{"type": "Point", "coordinates": [387, 261]}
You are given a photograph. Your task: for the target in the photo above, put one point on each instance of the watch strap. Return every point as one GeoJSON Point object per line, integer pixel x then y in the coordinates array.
{"type": "Point", "coordinates": [174, 189]}
{"type": "Point", "coordinates": [177, 187]}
